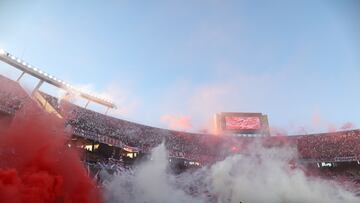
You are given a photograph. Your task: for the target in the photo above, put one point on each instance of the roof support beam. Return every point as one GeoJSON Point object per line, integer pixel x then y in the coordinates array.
{"type": "Point", "coordinates": [38, 86]}
{"type": "Point", "coordinates": [87, 104]}
{"type": "Point", "coordinates": [19, 78]}
{"type": "Point", "coordinates": [107, 110]}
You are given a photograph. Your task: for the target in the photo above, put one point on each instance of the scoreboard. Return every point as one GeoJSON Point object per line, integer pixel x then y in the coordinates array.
{"type": "Point", "coordinates": [249, 124]}
{"type": "Point", "coordinates": [242, 123]}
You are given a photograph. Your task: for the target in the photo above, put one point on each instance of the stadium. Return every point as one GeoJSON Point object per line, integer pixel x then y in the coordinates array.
{"type": "Point", "coordinates": [179, 101]}
{"type": "Point", "coordinates": [114, 145]}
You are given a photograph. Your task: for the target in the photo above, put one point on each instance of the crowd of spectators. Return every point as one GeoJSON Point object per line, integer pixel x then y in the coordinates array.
{"type": "Point", "coordinates": [202, 147]}
{"type": "Point", "coordinates": [100, 171]}
{"type": "Point", "coordinates": [9, 103]}
{"type": "Point", "coordinates": [53, 101]}
{"type": "Point", "coordinates": [136, 136]}
{"type": "Point", "coordinates": [330, 146]}
{"type": "Point", "coordinates": [11, 96]}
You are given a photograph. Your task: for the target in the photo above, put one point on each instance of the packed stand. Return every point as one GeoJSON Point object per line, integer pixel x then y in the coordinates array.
{"type": "Point", "coordinates": [339, 146]}
{"type": "Point", "coordinates": [9, 103]}
{"type": "Point", "coordinates": [201, 147]}
{"type": "Point", "coordinates": [53, 101]}
{"type": "Point", "coordinates": [144, 138]}
{"type": "Point", "coordinates": [11, 96]}
{"type": "Point", "coordinates": [100, 171]}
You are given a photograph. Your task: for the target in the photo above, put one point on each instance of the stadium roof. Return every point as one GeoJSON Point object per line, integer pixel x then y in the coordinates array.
{"type": "Point", "coordinates": [43, 76]}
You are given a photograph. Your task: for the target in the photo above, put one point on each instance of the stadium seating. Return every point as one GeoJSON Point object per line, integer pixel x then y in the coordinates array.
{"type": "Point", "coordinates": [339, 146]}
{"type": "Point", "coordinates": [135, 135]}
{"type": "Point", "coordinates": [11, 96]}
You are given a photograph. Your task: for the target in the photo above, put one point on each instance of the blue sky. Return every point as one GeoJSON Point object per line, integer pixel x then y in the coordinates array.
{"type": "Point", "coordinates": [298, 62]}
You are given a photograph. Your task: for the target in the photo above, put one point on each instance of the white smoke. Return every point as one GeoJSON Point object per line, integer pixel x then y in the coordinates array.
{"type": "Point", "coordinates": [263, 175]}
{"type": "Point", "coordinates": [150, 183]}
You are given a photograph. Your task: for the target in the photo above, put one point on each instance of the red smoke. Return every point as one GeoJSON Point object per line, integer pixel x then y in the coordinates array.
{"type": "Point", "coordinates": [37, 166]}
{"type": "Point", "coordinates": [177, 122]}
{"type": "Point", "coordinates": [347, 126]}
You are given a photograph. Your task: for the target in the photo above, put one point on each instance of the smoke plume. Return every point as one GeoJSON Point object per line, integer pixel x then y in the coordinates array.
{"type": "Point", "coordinates": [36, 164]}
{"type": "Point", "coordinates": [177, 122]}
{"type": "Point", "coordinates": [263, 175]}
{"type": "Point", "coordinates": [151, 183]}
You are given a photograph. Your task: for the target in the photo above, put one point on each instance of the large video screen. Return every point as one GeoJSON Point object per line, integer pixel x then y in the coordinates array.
{"type": "Point", "coordinates": [242, 123]}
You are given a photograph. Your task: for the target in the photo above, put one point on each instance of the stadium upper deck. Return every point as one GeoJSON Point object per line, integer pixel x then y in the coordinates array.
{"type": "Point", "coordinates": [334, 147]}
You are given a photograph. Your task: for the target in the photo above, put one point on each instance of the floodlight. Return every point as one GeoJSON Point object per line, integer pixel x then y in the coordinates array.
{"type": "Point", "coordinates": [27, 68]}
